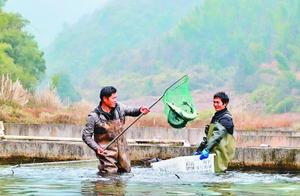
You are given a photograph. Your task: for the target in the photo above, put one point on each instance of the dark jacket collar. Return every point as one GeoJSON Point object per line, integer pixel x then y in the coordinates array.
{"type": "Point", "coordinates": [107, 115]}
{"type": "Point", "coordinates": [219, 114]}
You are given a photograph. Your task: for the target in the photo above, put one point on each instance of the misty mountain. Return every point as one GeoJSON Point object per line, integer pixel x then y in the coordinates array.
{"type": "Point", "coordinates": [81, 49]}
{"type": "Point", "coordinates": [142, 46]}
{"type": "Point", "coordinates": [116, 27]}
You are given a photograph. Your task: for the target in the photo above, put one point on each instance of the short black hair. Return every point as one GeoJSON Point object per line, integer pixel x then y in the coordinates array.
{"type": "Point", "coordinates": [223, 96]}
{"type": "Point", "coordinates": [107, 91]}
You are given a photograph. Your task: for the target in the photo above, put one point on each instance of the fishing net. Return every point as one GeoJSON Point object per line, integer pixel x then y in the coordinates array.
{"type": "Point", "coordinates": [178, 104]}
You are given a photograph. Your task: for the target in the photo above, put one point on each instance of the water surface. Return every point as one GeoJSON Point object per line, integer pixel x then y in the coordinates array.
{"type": "Point", "coordinates": [82, 179]}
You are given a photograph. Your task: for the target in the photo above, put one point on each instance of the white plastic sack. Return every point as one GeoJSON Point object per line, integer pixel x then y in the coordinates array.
{"type": "Point", "coordinates": [186, 164]}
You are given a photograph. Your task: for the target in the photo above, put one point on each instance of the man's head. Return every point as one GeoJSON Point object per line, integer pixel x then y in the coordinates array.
{"type": "Point", "coordinates": [108, 96]}
{"type": "Point", "coordinates": [221, 100]}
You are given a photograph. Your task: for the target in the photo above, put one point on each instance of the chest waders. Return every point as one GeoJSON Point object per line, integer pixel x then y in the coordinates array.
{"type": "Point", "coordinates": [116, 156]}
{"type": "Point", "coordinates": [224, 150]}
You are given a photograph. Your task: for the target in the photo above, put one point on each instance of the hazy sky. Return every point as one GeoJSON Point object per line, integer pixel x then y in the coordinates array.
{"type": "Point", "coordinates": [47, 17]}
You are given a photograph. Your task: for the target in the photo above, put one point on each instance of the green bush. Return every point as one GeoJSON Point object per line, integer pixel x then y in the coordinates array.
{"type": "Point", "coordinates": [285, 105]}
{"type": "Point", "coordinates": [65, 89]}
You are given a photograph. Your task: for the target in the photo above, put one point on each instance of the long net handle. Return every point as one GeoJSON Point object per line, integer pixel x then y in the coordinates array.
{"type": "Point", "coordinates": [140, 116]}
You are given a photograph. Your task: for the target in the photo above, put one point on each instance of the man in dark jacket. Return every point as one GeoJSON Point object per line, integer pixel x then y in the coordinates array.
{"type": "Point", "coordinates": [219, 134]}
{"type": "Point", "coordinates": [103, 125]}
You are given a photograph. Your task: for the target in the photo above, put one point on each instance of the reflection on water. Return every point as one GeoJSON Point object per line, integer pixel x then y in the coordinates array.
{"type": "Point", "coordinates": [82, 179]}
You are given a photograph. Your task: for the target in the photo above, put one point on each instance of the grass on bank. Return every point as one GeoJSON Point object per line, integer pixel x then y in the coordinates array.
{"type": "Point", "coordinates": [242, 121]}
{"type": "Point", "coordinates": [17, 105]}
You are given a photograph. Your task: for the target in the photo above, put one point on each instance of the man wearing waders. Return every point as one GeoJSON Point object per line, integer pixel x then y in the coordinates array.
{"type": "Point", "coordinates": [219, 135]}
{"type": "Point", "coordinates": [104, 123]}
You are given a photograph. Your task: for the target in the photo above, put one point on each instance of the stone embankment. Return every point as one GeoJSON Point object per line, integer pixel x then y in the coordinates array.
{"type": "Point", "coordinates": [262, 149]}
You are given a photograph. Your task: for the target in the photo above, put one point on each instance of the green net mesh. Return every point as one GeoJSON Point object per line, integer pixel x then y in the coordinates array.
{"type": "Point", "coordinates": [178, 104]}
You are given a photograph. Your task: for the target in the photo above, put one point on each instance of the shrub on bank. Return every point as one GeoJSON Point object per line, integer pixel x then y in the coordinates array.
{"type": "Point", "coordinates": [13, 92]}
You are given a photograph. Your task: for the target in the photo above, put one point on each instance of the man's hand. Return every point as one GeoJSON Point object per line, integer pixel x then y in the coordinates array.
{"type": "Point", "coordinates": [144, 110]}
{"type": "Point", "coordinates": [100, 150]}
{"type": "Point", "coordinates": [204, 154]}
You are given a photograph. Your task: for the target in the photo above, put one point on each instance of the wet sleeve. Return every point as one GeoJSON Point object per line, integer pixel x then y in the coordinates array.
{"type": "Point", "coordinates": [218, 133]}
{"type": "Point", "coordinates": [130, 111]}
{"type": "Point", "coordinates": [227, 123]}
{"type": "Point", "coordinates": [88, 132]}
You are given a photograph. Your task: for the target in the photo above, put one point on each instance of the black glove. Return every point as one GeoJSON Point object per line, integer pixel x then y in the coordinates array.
{"type": "Point", "coordinates": [202, 145]}
{"type": "Point", "coordinates": [206, 129]}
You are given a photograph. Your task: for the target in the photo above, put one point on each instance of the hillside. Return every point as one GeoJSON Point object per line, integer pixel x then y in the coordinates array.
{"type": "Point", "coordinates": [140, 47]}
{"type": "Point", "coordinates": [120, 26]}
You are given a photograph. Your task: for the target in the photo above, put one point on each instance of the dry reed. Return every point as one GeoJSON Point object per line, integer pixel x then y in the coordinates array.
{"type": "Point", "coordinates": [46, 107]}
{"type": "Point", "coordinates": [242, 120]}
{"type": "Point", "coordinates": [46, 98]}
{"type": "Point", "coordinates": [13, 91]}
{"type": "Point", "coordinates": [255, 120]}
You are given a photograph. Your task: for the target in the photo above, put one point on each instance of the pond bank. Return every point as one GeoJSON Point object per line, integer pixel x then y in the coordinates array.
{"type": "Point", "coordinates": [274, 137]}
{"type": "Point", "coordinates": [21, 151]}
